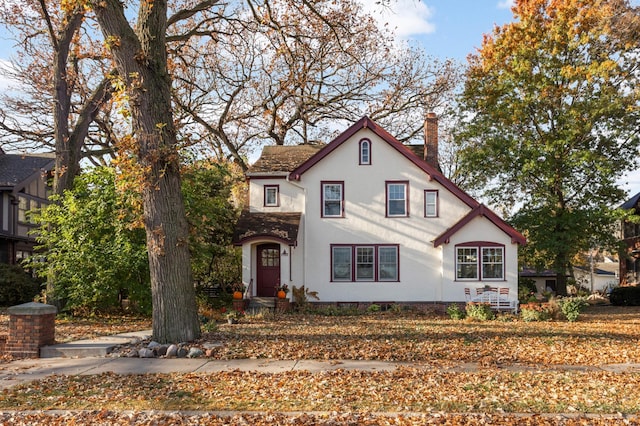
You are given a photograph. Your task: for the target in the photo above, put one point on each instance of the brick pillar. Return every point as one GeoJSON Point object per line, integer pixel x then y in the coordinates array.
{"type": "Point", "coordinates": [31, 326]}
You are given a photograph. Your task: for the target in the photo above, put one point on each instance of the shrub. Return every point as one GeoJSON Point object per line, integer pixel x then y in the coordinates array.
{"type": "Point", "coordinates": [572, 307]}
{"type": "Point", "coordinates": [533, 311]}
{"type": "Point", "coordinates": [480, 311]}
{"type": "Point", "coordinates": [455, 312]}
{"type": "Point", "coordinates": [526, 290]}
{"type": "Point", "coordinates": [625, 296]}
{"type": "Point", "coordinates": [16, 286]}
{"type": "Point", "coordinates": [373, 308]}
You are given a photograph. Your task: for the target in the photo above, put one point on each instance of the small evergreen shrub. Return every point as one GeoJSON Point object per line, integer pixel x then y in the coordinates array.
{"type": "Point", "coordinates": [16, 286]}
{"type": "Point", "coordinates": [625, 296]}
{"type": "Point", "coordinates": [572, 307]}
{"type": "Point", "coordinates": [480, 311]}
{"type": "Point", "coordinates": [455, 312]}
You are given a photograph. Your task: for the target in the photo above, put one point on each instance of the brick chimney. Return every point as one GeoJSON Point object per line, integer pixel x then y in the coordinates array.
{"type": "Point", "coordinates": [431, 140]}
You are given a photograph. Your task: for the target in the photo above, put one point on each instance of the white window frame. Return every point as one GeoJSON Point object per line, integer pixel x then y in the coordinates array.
{"type": "Point", "coordinates": [350, 271]}
{"type": "Point", "coordinates": [365, 152]}
{"type": "Point", "coordinates": [431, 197]}
{"type": "Point", "coordinates": [348, 266]}
{"type": "Point", "coordinates": [276, 195]}
{"type": "Point", "coordinates": [488, 257]}
{"type": "Point", "coordinates": [325, 200]}
{"type": "Point", "coordinates": [391, 196]}
{"type": "Point", "coordinates": [496, 252]}
{"type": "Point", "coordinates": [369, 262]}
{"type": "Point", "coordinates": [381, 263]}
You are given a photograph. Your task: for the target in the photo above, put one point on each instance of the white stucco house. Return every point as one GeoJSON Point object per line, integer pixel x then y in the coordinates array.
{"type": "Point", "coordinates": [366, 219]}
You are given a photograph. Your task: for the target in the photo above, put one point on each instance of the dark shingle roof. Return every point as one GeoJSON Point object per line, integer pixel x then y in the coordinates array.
{"type": "Point", "coordinates": [281, 226]}
{"type": "Point", "coordinates": [631, 203]}
{"type": "Point", "coordinates": [283, 158]}
{"type": "Point", "coordinates": [15, 168]}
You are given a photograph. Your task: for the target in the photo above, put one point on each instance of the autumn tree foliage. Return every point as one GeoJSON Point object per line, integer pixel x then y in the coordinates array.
{"type": "Point", "coordinates": [553, 108]}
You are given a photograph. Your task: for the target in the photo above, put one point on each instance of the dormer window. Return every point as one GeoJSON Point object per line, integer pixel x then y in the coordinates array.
{"type": "Point", "coordinates": [365, 152]}
{"type": "Point", "coordinates": [271, 196]}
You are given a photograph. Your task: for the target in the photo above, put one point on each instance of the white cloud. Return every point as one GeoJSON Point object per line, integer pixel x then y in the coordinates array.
{"type": "Point", "coordinates": [406, 18]}
{"type": "Point", "coordinates": [506, 4]}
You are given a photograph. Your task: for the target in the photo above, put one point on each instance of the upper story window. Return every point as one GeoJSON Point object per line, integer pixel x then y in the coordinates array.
{"type": "Point", "coordinates": [365, 152]}
{"type": "Point", "coordinates": [271, 195]}
{"type": "Point", "coordinates": [480, 262]}
{"type": "Point", "coordinates": [397, 199]}
{"type": "Point", "coordinates": [430, 203]}
{"type": "Point", "coordinates": [332, 199]}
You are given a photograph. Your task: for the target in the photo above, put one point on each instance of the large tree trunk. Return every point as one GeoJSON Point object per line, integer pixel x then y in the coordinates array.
{"type": "Point", "coordinates": [142, 62]}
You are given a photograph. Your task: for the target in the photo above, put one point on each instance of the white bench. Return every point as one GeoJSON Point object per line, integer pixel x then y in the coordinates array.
{"type": "Point", "coordinates": [496, 300]}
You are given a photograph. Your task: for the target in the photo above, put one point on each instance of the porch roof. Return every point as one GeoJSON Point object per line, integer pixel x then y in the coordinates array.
{"type": "Point", "coordinates": [282, 227]}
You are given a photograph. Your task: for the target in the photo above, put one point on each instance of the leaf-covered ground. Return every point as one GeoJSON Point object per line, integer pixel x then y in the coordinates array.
{"type": "Point", "coordinates": [408, 396]}
{"type": "Point", "coordinates": [603, 335]}
{"type": "Point", "coordinates": [77, 328]}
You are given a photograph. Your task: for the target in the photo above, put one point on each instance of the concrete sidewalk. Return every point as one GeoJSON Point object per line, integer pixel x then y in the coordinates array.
{"type": "Point", "coordinates": [87, 357]}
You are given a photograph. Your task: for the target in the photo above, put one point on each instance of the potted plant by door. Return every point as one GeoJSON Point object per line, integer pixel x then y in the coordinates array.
{"type": "Point", "coordinates": [282, 290]}
{"type": "Point", "coordinates": [238, 291]}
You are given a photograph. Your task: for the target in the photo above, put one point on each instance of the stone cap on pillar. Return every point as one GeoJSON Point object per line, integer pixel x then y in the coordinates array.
{"type": "Point", "coordinates": [32, 308]}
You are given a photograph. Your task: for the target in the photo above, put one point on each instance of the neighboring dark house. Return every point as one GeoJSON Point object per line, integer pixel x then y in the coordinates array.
{"type": "Point", "coordinates": [24, 185]}
{"type": "Point", "coordinates": [630, 255]}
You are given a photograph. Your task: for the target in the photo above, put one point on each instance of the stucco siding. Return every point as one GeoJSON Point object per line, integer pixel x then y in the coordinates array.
{"type": "Point", "coordinates": [291, 197]}
{"type": "Point", "coordinates": [479, 229]}
{"type": "Point", "coordinates": [365, 222]}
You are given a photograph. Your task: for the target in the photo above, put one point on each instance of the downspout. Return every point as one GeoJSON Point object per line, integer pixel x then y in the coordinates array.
{"type": "Point", "coordinates": [304, 226]}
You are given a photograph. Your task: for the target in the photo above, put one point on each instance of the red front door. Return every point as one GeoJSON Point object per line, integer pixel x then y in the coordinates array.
{"type": "Point", "coordinates": [268, 273]}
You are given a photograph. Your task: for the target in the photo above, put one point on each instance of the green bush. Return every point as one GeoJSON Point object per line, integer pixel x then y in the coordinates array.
{"type": "Point", "coordinates": [531, 312]}
{"type": "Point", "coordinates": [625, 296]}
{"type": "Point", "coordinates": [455, 312]}
{"type": "Point", "coordinates": [572, 307]}
{"type": "Point", "coordinates": [373, 308]}
{"type": "Point", "coordinates": [480, 311]}
{"type": "Point", "coordinates": [16, 286]}
{"type": "Point", "coordinates": [526, 290]}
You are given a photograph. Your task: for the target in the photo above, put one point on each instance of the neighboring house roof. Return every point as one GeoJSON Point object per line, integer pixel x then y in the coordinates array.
{"type": "Point", "coordinates": [283, 158]}
{"type": "Point", "coordinates": [530, 272]}
{"type": "Point", "coordinates": [16, 170]}
{"type": "Point", "coordinates": [631, 203]}
{"type": "Point", "coordinates": [367, 123]}
{"type": "Point", "coordinates": [280, 226]}
{"type": "Point", "coordinates": [481, 210]}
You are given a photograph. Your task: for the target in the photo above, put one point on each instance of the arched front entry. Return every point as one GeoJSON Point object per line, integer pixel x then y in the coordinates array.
{"type": "Point", "coordinates": [268, 269]}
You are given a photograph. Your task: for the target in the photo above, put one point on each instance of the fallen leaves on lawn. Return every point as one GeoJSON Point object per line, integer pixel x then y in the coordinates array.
{"type": "Point", "coordinates": [598, 339]}
{"type": "Point", "coordinates": [107, 417]}
{"type": "Point", "coordinates": [403, 390]}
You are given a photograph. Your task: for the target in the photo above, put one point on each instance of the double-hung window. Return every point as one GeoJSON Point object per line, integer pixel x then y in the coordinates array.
{"type": "Point", "coordinates": [341, 263]}
{"type": "Point", "coordinates": [374, 263]}
{"type": "Point", "coordinates": [271, 196]}
{"type": "Point", "coordinates": [397, 199]}
{"type": "Point", "coordinates": [430, 203]}
{"type": "Point", "coordinates": [332, 199]}
{"type": "Point", "coordinates": [480, 263]}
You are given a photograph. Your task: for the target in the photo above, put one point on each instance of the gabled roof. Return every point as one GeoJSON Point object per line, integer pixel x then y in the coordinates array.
{"type": "Point", "coordinates": [631, 203]}
{"type": "Point", "coordinates": [16, 170]}
{"type": "Point", "coordinates": [283, 158]}
{"type": "Point", "coordinates": [367, 123]}
{"type": "Point", "coordinates": [481, 210]}
{"type": "Point", "coordinates": [277, 226]}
